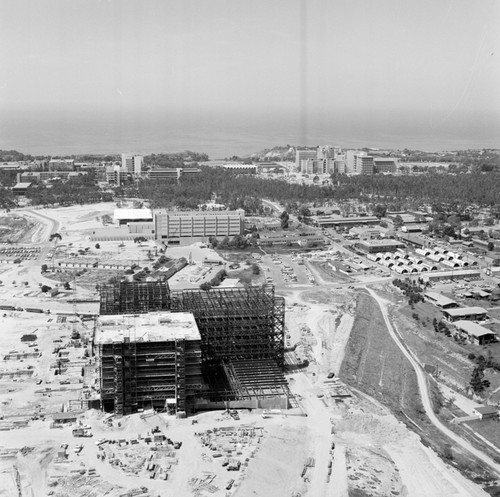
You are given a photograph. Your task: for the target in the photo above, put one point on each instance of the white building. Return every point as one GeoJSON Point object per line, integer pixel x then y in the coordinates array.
{"type": "Point", "coordinates": [132, 163]}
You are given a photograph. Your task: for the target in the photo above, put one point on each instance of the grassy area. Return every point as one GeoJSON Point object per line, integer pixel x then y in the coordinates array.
{"type": "Point", "coordinates": [487, 428]}
{"type": "Point", "coordinates": [374, 364]}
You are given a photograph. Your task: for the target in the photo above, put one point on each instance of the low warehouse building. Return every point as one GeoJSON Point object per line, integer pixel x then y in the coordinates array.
{"type": "Point", "coordinates": [465, 313]}
{"type": "Point", "coordinates": [375, 246]}
{"type": "Point", "coordinates": [486, 412]}
{"type": "Point", "coordinates": [440, 300]}
{"type": "Point", "coordinates": [457, 274]}
{"type": "Point", "coordinates": [475, 333]}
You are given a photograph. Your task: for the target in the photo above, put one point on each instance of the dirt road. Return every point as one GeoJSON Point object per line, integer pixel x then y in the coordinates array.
{"type": "Point", "coordinates": [425, 394]}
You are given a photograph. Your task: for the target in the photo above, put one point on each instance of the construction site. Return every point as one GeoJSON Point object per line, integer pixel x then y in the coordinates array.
{"type": "Point", "coordinates": [189, 350]}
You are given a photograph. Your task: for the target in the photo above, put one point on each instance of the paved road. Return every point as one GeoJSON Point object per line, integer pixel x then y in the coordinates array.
{"type": "Point", "coordinates": [425, 395]}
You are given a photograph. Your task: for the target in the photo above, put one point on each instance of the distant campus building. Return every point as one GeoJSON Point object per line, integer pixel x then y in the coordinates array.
{"type": "Point", "coordinates": [178, 227]}
{"type": "Point", "coordinates": [327, 159]}
{"type": "Point", "coordinates": [132, 163]}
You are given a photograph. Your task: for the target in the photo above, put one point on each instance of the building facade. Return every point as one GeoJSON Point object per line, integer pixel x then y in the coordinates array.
{"type": "Point", "coordinates": [187, 226]}
{"type": "Point", "coordinates": [132, 163]}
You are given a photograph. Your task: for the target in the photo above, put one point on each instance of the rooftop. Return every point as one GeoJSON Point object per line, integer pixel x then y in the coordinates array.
{"type": "Point", "coordinates": [486, 409]}
{"type": "Point", "coordinates": [439, 299]}
{"type": "Point", "coordinates": [473, 329]}
{"type": "Point", "coordinates": [465, 311]}
{"type": "Point", "coordinates": [383, 243]}
{"type": "Point", "coordinates": [132, 214]}
{"type": "Point", "coordinates": [152, 327]}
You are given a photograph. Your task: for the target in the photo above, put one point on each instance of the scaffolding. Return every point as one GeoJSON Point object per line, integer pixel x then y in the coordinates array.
{"type": "Point", "coordinates": [237, 326]}
{"type": "Point", "coordinates": [236, 323]}
{"type": "Point", "coordinates": [129, 297]}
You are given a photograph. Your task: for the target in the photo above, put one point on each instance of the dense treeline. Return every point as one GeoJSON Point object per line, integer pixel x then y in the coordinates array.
{"type": "Point", "coordinates": [174, 160]}
{"type": "Point", "coordinates": [233, 190]}
{"type": "Point", "coordinates": [78, 190]}
{"type": "Point", "coordinates": [14, 156]}
{"type": "Point", "coordinates": [242, 190]}
{"type": "Point", "coordinates": [478, 188]}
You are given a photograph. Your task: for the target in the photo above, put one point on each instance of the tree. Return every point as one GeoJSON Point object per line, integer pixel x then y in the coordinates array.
{"type": "Point", "coordinates": [55, 237]}
{"type": "Point", "coordinates": [477, 381]}
{"type": "Point", "coordinates": [255, 269]}
{"type": "Point", "coordinates": [491, 246]}
{"type": "Point", "coordinates": [140, 239]}
{"type": "Point", "coordinates": [380, 210]}
{"type": "Point", "coordinates": [284, 220]}
{"type": "Point", "coordinates": [44, 268]}
{"type": "Point", "coordinates": [398, 221]}
{"type": "Point", "coordinates": [45, 288]}
{"type": "Point", "coordinates": [66, 286]}
{"type": "Point", "coordinates": [97, 246]}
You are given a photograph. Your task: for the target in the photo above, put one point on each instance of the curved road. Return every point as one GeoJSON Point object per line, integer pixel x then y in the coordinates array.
{"type": "Point", "coordinates": [425, 395]}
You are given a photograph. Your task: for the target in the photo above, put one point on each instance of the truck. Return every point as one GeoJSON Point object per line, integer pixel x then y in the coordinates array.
{"type": "Point", "coordinates": [81, 432]}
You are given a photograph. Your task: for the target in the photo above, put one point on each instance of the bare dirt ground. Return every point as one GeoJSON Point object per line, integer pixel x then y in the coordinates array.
{"type": "Point", "coordinates": [340, 442]}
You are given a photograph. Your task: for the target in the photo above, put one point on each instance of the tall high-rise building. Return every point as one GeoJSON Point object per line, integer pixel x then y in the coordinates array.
{"type": "Point", "coordinates": [132, 163]}
{"type": "Point", "coordinates": [301, 155]}
{"type": "Point", "coordinates": [363, 163]}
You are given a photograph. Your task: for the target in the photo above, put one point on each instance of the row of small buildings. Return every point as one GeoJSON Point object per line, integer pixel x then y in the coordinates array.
{"type": "Point", "coordinates": [463, 318]}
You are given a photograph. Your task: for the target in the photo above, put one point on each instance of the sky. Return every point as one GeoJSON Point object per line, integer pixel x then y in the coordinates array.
{"type": "Point", "coordinates": [359, 67]}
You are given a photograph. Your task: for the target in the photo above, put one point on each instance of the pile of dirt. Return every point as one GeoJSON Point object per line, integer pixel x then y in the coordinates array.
{"type": "Point", "coordinates": [380, 429]}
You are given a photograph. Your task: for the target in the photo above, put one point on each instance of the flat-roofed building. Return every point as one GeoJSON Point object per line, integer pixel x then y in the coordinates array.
{"type": "Point", "coordinates": [486, 411]}
{"type": "Point", "coordinates": [184, 227]}
{"type": "Point", "coordinates": [21, 188]}
{"type": "Point", "coordinates": [385, 164]}
{"type": "Point", "coordinates": [287, 237]}
{"type": "Point", "coordinates": [301, 155]}
{"type": "Point", "coordinates": [374, 246]}
{"type": "Point", "coordinates": [465, 313]}
{"type": "Point", "coordinates": [455, 274]}
{"type": "Point", "coordinates": [148, 360]}
{"type": "Point", "coordinates": [440, 300]}
{"type": "Point", "coordinates": [363, 164]}
{"type": "Point", "coordinates": [475, 333]}
{"type": "Point", "coordinates": [166, 174]}
{"type": "Point", "coordinates": [125, 216]}
{"type": "Point", "coordinates": [339, 222]}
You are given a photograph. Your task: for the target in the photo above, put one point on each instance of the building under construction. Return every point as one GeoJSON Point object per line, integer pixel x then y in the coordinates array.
{"type": "Point", "coordinates": [241, 342]}
{"type": "Point", "coordinates": [148, 360]}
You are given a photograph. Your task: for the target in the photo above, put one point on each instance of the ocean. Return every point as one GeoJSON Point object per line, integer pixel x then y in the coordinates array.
{"type": "Point", "coordinates": [222, 135]}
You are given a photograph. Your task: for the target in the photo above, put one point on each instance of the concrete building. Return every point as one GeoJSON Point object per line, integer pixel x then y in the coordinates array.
{"type": "Point", "coordinates": [385, 165]}
{"type": "Point", "coordinates": [21, 188]}
{"type": "Point", "coordinates": [179, 227]}
{"type": "Point", "coordinates": [486, 412]}
{"type": "Point", "coordinates": [125, 216]}
{"type": "Point", "coordinates": [288, 237]}
{"type": "Point", "coordinates": [465, 313]}
{"type": "Point", "coordinates": [317, 166]}
{"type": "Point", "coordinates": [343, 222]}
{"type": "Point", "coordinates": [475, 333]}
{"type": "Point", "coordinates": [374, 246]}
{"type": "Point", "coordinates": [301, 155]}
{"type": "Point", "coordinates": [148, 360]}
{"type": "Point", "coordinates": [132, 163]}
{"type": "Point", "coordinates": [363, 163]}
{"type": "Point", "coordinates": [440, 300]}
{"type": "Point", "coordinates": [115, 175]}
{"type": "Point", "coordinates": [166, 174]}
